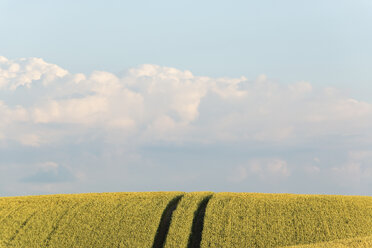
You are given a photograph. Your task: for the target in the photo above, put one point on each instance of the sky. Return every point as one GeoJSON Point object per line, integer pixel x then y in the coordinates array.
{"type": "Point", "coordinates": [244, 96]}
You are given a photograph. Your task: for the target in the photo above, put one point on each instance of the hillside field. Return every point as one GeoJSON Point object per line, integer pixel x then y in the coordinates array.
{"type": "Point", "coordinates": [178, 219]}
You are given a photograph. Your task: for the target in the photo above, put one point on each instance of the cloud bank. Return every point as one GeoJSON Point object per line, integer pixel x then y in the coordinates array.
{"type": "Point", "coordinates": [154, 107]}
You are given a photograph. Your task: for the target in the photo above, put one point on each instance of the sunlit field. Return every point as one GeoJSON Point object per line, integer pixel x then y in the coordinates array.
{"type": "Point", "coordinates": [177, 219]}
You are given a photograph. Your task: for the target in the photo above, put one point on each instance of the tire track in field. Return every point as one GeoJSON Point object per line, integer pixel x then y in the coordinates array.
{"type": "Point", "coordinates": [56, 225]}
{"type": "Point", "coordinates": [75, 211]}
{"type": "Point", "coordinates": [162, 232]}
{"type": "Point", "coordinates": [10, 213]}
{"type": "Point", "coordinates": [198, 224]}
{"type": "Point", "coordinates": [21, 227]}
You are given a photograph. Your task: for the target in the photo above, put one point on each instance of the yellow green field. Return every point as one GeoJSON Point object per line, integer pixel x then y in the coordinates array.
{"type": "Point", "coordinates": [178, 219]}
{"type": "Point", "coordinates": [360, 242]}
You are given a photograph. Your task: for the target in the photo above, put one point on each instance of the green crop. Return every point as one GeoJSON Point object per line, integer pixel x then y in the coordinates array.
{"type": "Point", "coordinates": [272, 220]}
{"type": "Point", "coordinates": [83, 220]}
{"type": "Point", "coordinates": [360, 242]}
{"type": "Point", "coordinates": [182, 219]}
{"type": "Point", "coordinates": [186, 220]}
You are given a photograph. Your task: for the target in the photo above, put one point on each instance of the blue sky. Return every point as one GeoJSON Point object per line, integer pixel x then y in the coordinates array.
{"type": "Point", "coordinates": [264, 96]}
{"type": "Point", "coordinates": [324, 42]}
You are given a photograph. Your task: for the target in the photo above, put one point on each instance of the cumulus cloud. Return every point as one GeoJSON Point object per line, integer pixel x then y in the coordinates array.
{"type": "Point", "coordinates": [23, 72]}
{"type": "Point", "coordinates": [43, 105]}
{"type": "Point", "coordinates": [151, 101]}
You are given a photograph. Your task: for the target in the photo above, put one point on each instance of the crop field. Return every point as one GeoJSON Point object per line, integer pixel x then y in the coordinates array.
{"type": "Point", "coordinates": [272, 220]}
{"type": "Point", "coordinates": [361, 242]}
{"type": "Point", "coordinates": [183, 220]}
{"type": "Point", "coordinates": [82, 220]}
{"type": "Point", "coordinates": [178, 219]}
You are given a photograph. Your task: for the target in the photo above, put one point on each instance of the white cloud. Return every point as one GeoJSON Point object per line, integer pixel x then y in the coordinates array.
{"type": "Point", "coordinates": [22, 72]}
{"type": "Point", "coordinates": [85, 110]}
{"type": "Point", "coordinates": [167, 90]}
{"type": "Point", "coordinates": [10, 115]}
{"type": "Point", "coordinates": [163, 103]}
{"type": "Point", "coordinates": [96, 122]}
